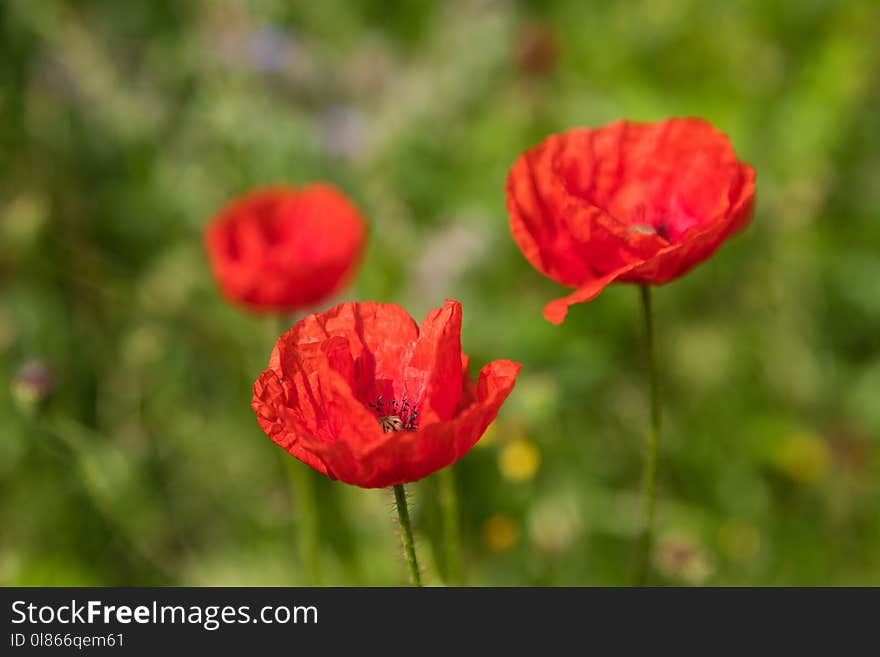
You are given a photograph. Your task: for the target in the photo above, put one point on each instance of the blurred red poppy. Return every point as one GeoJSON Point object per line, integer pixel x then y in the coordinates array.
{"type": "Point", "coordinates": [631, 202]}
{"type": "Point", "coordinates": [363, 394]}
{"type": "Point", "coordinates": [281, 249]}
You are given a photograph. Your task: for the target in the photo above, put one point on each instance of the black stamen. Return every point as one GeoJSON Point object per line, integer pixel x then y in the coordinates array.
{"type": "Point", "coordinates": [404, 411]}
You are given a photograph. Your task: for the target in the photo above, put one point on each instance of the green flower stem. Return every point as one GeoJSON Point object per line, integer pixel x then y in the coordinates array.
{"type": "Point", "coordinates": [451, 528]}
{"type": "Point", "coordinates": [649, 493]}
{"type": "Point", "coordinates": [406, 534]}
{"type": "Point", "coordinates": [302, 488]}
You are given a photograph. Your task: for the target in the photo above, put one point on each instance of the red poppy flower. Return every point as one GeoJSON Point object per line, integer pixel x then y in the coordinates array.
{"type": "Point", "coordinates": [630, 202]}
{"type": "Point", "coordinates": [279, 249]}
{"type": "Point", "coordinates": [363, 394]}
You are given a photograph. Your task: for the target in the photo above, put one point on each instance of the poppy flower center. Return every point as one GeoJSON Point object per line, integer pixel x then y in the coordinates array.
{"type": "Point", "coordinates": [649, 222]}
{"type": "Point", "coordinates": [394, 415]}
{"type": "Point", "coordinates": [665, 223]}
{"type": "Point", "coordinates": [643, 229]}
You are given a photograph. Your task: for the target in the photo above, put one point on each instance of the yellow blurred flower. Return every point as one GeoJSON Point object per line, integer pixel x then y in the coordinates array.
{"type": "Point", "coordinates": [805, 458]}
{"type": "Point", "coordinates": [519, 460]}
{"type": "Point", "coordinates": [500, 533]}
{"type": "Point", "coordinates": [739, 540]}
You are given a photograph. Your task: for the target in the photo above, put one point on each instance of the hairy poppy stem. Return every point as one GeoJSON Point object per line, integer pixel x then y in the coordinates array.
{"type": "Point", "coordinates": [406, 534]}
{"type": "Point", "coordinates": [451, 528]}
{"type": "Point", "coordinates": [652, 447]}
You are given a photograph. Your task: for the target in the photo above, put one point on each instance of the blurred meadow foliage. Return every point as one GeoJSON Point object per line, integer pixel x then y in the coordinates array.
{"type": "Point", "coordinates": [129, 454]}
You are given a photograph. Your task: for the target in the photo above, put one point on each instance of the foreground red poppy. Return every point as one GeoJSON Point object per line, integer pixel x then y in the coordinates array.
{"type": "Point", "coordinates": [631, 202]}
{"type": "Point", "coordinates": [280, 249]}
{"type": "Point", "coordinates": [363, 394]}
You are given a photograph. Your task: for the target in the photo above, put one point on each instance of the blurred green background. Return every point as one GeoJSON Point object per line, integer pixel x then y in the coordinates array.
{"type": "Point", "coordinates": [124, 126]}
